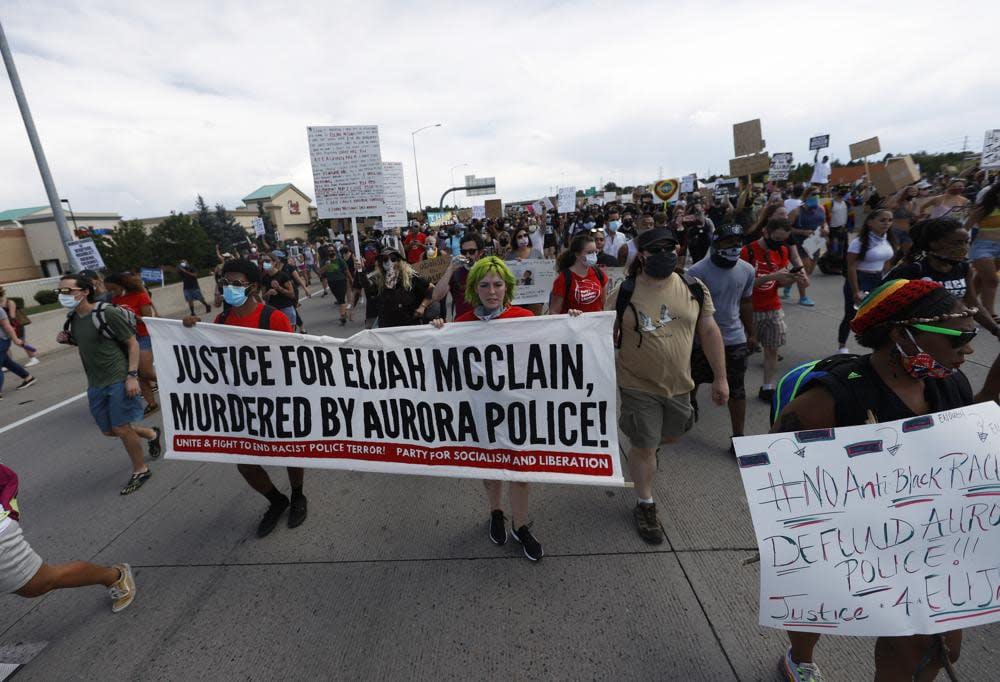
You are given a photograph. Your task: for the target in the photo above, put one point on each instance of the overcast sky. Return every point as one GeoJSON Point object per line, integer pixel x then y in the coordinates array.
{"type": "Point", "coordinates": [143, 105]}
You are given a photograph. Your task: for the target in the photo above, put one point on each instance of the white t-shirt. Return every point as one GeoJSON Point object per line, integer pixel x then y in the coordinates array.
{"type": "Point", "coordinates": [792, 204]}
{"type": "Point", "coordinates": [838, 214]}
{"type": "Point", "coordinates": [879, 251]}
{"type": "Point", "coordinates": [821, 173]}
{"type": "Point", "coordinates": [613, 244]}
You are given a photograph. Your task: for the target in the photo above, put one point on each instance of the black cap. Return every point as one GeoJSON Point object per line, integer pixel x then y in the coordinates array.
{"type": "Point", "coordinates": [654, 236]}
{"type": "Point", "coordinates": [731, 230]}
{"type": "Point", "coordinates": [89, 274]}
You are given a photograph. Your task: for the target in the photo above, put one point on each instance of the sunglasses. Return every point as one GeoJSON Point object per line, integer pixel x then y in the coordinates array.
{"type": "Point", "coordinates": [394, 258]}
{"type": "Point", "coordinates": [653, 250]}
{"type": "Point", "coordinates": [957, 337]}
{"type": "Point", "coordinates": [65, 290]}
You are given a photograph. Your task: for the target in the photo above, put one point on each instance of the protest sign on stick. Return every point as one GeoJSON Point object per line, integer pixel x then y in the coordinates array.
{"type": "Point", "coordinates": [781, 166]}
{"type": "Point", "coordinates": [748, 165]}
{"type": "Point", "coordinates": [865, 148]}
{"type": "Point", "coordinates": [883, 529]}
{"type": "Point", "coordinates": [567, 199]}
{"type": "Point", "coordinates": [494, 208]}
{"type": "Point", "coordinates": [394, 195]}
{"type": "Point", "coordinates": [85, 254]}
{"type": "Point", "coordinates": [479, 212]}
{"type": "Point", "coordinates": [522, 399]}
{"type": "Point", "coordinates": [433, 268]}
{"type": "Point", "coordinates": [667, 190]}
{"type": "Point", "coordinates": [991, 150]}
{"type": "Point", "coordinates": [747, 138]}
{"type": "Point", "coordinates": [688, 182]}
{"type": "Point", "coordinates": [347, 173]}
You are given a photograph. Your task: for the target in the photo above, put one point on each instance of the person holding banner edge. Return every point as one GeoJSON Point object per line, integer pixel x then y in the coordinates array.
{"type": "Point", "coordinates": [241, 283]}
{"type": "Point", "coordinates": [919, 335]}
{"type": "Point", "coordinates": [490, 290]}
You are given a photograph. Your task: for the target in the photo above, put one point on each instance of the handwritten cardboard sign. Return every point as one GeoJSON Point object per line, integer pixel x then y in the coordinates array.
{"type": "Point", "coordinates": [432, 268]}
{"type": "Point", "coordinates": [859, 150]}
{"type": "Point", "coordinates": [347, 171]}
{"type": "Point", "coordinates": [894, 175]}
{"type": "Point", "coordinates": [747, 138]}
{"type": "Point", "coordinates": [494, 208]}
{"type": "Point", "coordinates": [748, 165]}
{"type": "Point", "coordinates": [883, 529]}
{"type": "Point", "coordinates": [991, 150]}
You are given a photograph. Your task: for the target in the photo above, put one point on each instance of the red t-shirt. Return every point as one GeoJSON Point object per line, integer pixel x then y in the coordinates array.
{"type": "Point", "coordinates": [513, 311]}
{"type": "Point", "coordinates": [279, 321]}
{"type": "Point", "coordinates": [135, 302]}
{"type": "Point", "coordinates": [765, 296]}
{"type": "Point", "coordinates": [585, 292]}
{"type": "Point", "coordinates": [415, 247]}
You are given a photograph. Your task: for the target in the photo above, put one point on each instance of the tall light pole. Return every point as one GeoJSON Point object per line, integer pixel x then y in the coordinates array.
{"type": "Point", "coordinates": [36, 147]}
{"type": "Point", "coordinates": [453, 176]}
{"type": "Point", "coordinates": [413, 139]}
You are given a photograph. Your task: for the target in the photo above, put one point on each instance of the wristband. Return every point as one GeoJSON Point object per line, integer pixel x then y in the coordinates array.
{"type": "Point", "coordinates": [134, 374]}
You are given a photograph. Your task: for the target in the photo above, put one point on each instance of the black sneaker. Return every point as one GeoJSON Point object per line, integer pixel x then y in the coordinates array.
{"type": "Point", "coordinates": [27, 382]}
{"type": "Point", "coordinates": [532, 548]}
{"type": "Point", "coordinates": [135, 482]}
{"type": "Point", "coordinates": [271, 516]}
{"type": "Point", "coordinates": [498, 529]}
{"type": "Point", "coordinates": [647, 523]}
{"type": "Point", "coordinates": [694, 406]}
{"type": "Point", "coordinates": [298, 511]}
{"type": "Point", "coordinates": [765, 394]}
{"type": "Point", "coordinates": [153, 447]}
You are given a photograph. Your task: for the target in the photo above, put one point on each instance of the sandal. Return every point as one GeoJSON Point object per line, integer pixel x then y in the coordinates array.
{"type": "Point", "coordinates": [135, 482]}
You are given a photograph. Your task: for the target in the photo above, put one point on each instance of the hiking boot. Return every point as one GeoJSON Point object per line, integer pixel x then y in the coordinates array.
{"type": "Point", "coordinates": [798, 672]}
{"type": "Point", "coordinates": [498, 529]}
{"type": "Point", "coordinates": [647, 523]}
{"type": "Point", "coordinates": [153, 446]}
{"type": "Point", "coordinates": [122, 591]}
{"type": "Point", "coordinates": [135, 482]}
{"type": "Point", "coordinates": [532, 548]}
{"type": "Point", "coordinates": [298, 511]}
{"type": "Point", "coordinates": [27, 382]}
{"type": "Point", "coordinates": [271, 516]}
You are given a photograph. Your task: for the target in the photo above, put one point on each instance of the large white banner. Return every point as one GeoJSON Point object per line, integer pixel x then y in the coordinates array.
{"type": "Point", "coordinates": [522, 399]}
{"type": "Point", "coordinates": [394, 195]}
{"type": "Point", "coordinates": [884, 529]}
{"type": "Point", "coordinates": [347, 171]}
{"type": "Point", "coordinates": [534, 279]}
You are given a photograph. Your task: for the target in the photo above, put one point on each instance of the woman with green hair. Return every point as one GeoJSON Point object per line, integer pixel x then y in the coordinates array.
{"type": "Point", "coordinates": [490, 290]}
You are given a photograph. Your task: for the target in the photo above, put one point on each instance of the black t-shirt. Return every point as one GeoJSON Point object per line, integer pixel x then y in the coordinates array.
{"type": "Point", "coordinates": [606, 260]}
{"type": "Point", "coordinates": [190, 281]}
{"type": "Point", "coordinates": [856, 388]}
{"type": "Point", "coordinates": [279, 300]}
{"type": "Point", "coordinates": [954, 280]}
{"type": "Point", "coordinates": [396, 306]}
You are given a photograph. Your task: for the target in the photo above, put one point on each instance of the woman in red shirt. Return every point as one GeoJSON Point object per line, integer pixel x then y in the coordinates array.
{"type": "Point", "coordinates": [580, 283]}
{"type": "Point", "coordinates": [128, 291]}
{"type": "Point", "coordinates": [490, 288]}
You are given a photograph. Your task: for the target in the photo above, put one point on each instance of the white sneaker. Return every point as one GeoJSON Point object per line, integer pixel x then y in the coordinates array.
{"type": "Point", "coordinates": [843, 350]}
{"type": "Point", "coordinates": [32, 362]}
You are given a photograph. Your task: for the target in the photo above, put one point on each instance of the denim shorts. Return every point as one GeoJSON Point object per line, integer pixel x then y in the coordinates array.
{"type": "Point", "coordinates": [191, 295]}
{"type": "Point", "coordinates": [111, 407]}
{"type": "Point", "coordinates": [290, 314]}
{"type": "Point", "coordinates": [984, 248]}
{"type": "Point", "coordinates": [145, 343]}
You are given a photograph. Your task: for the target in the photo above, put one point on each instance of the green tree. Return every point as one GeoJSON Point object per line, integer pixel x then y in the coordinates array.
{"type": "Point", "coordinates": [128, 248]}
{"type": "Point", "coordinates": [220, 226]}
{"type": "Point", "coordinates": [319, 228]}
{"type": "Point", "coordinates": [611, 187]}
{"type": "Point", "coordinates": [179, 238]}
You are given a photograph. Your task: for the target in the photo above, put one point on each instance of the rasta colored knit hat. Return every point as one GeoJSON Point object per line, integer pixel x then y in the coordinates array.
{"type": "Point", "coordinates": [895, 295]}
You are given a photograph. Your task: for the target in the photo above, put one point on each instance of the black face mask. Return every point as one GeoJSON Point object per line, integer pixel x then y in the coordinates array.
{"type": "Point", "coordinates": [660, 265]}
{"type": "Point", "coordinates": [773, 244]}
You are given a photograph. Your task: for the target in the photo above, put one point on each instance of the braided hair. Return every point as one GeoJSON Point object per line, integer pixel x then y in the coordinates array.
{"type": "Point", "coordinates": [901, 302]}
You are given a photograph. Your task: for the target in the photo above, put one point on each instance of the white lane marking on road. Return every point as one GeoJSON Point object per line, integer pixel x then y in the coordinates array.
{"type": "Point", "coordinates": [44, 412]}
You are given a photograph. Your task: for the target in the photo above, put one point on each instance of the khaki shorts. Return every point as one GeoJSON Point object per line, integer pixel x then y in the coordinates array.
{"type": "Point", "coordinates": [649, 419]}
{"type": "Point", "coordinates": [18, 561]}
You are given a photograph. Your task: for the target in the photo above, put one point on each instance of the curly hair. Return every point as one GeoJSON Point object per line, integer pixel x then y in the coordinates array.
{"type": "Point", "coordinates": [479, 270]}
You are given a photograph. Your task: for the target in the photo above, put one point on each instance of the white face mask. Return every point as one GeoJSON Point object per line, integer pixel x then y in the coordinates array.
{"type": "Point", "coordinates": [522, 241]}
{"type": "Point", "coordinates": [68, 301]}
{"type": "Point", "coordinates": [590, 259]}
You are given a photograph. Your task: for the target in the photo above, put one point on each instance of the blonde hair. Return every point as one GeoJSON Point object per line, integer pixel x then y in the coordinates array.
{"type": "Point", "coordinates": [406, 274]}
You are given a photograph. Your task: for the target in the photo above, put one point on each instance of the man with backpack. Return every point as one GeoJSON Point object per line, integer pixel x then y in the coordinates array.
{"type": "Point", "coordinates": [241, 282]}
{"type": "Point", "coordinates": [658, 314]}
{"type": "Point", "coordinates": [104, 334]}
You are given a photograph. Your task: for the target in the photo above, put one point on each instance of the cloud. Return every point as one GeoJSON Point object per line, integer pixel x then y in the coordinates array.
{"type": "Point", "coordinates": [141, 106]}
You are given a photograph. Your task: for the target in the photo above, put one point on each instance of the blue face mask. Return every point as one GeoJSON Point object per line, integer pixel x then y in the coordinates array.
{"type": "Point", "coordinates": [234, 295]}
{"type": "Point", "coordinates": [812, 201]}
{"type": "Point", "coordinates": [614, 225]}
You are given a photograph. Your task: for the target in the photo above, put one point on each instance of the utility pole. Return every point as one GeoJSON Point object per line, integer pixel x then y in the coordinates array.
{"type": "Point", "coordinates": [36, 147]}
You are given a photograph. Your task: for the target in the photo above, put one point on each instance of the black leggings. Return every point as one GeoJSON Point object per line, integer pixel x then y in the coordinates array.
{"type": "Point", "coordinates": [867, 281]}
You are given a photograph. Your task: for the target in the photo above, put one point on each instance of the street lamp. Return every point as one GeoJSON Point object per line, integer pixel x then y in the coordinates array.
{"type": "Point", "coordinates": [413, 139]}
{"type": "Point", "coordinates": [453, 175]}
{"type": "Point", "coordinates": [72, 216]}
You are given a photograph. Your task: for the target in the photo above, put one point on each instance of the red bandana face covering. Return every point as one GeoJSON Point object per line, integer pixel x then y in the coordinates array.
{"type": "Point", "coordinates": [922, 365]}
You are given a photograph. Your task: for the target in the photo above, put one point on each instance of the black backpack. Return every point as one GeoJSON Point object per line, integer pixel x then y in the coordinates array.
{"type": "Point", "coordinates": [624, 302]}
{"type": "Point", "coordinates": [100, 319]}
{"type": "Point", "coordinates": [263, 323]}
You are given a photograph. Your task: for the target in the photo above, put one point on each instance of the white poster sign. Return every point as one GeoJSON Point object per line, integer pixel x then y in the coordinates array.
{"type": "Point", "coordinates": [534, 280]}
{"type": "Point", "coordinates": [610, 197]}
{"type": "Point", "coordinates": [85, 255]}
{"type": "Point", "coordinates": [521, 399]}
{"type": "Point", "coordinates": [781, 166]}
{"type": "Point", "coordinates": [258, 226]}
{"type": "Point", "coordinates": [479, 213]}
{"type": "Point", "coordinates": [347, 171]}
{"type": "Point", "coordinates": [884, 529]}
{"type": "Point", "coordinates": [547, 203]}
{"type": "Point", "coordinates": [687, 183]}
{"type": "Point", "coordinates": [991, 150]}
{"type": "Point", "coordinates": [567, 199]}
{"type": "Point", "coordinates": [394, 195]}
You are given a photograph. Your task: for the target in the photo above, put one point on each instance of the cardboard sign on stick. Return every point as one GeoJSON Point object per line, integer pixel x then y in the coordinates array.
{"type": "Point", "coordinates": [748, 165]}
{"type": "Point", "coordinates": [494, 208]}
{"type": "Point", "coordinates": [860, 150]}
{"type": "Point", "coordinates": [747, 137]}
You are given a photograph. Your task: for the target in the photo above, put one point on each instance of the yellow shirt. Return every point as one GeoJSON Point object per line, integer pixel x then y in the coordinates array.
{"type": "Point", "coordinates": [656, 358]}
